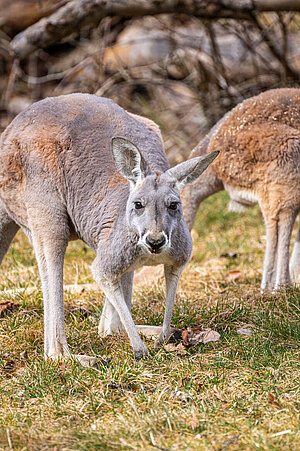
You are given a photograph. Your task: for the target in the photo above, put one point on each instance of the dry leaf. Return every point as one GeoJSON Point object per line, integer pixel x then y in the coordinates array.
{"type": "Point", "coordinates": [273, 401]}
{"type": "Point", "coordinates": [210, 335]}
{"type": "Point", "coordinates": [184, 335]}
{"type": "Point", "coordinates": [230, 255]}
{"type": "Point", "coordinates": [195, 235]}
{"type": "Point", "coordinates": [62, 367]}
{"type": "Point", "coordinates": [154, 331]}
{"type": "Point", "coordinates": [181, 395]}
{"type": "Point", "coordinates": [24, 355]}
{"type": "Point", "coordinates": [10, 366]}
{"type": "Point", "coordinates": [193, 422]}
{"type": "Point", "coordinates": [179, 349]}
{"type": "Point", "coordinates": [184, 380]}
{"type": "Point", "coordinates": [149, 331]}
{"type": "Point", "coordinates": [196, 335]}
{"type": "Point", "coordinates": [6, 306]}
{"type": "Point", "coordinates": [233, 275]}
{"type": "Point", "coordinates": [244, 332]}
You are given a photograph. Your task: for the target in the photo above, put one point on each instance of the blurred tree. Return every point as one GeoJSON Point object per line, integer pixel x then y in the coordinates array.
{"type": "Point", "coordinates": [183, 63]}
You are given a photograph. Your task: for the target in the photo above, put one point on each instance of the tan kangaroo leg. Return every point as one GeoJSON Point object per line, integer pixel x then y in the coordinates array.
{"type": "Point", "coordinates": [285, 227]}
{"type": "Point", "coordinates": [269, 269]}
{"type": "Point", "coordinates": [295, 259]}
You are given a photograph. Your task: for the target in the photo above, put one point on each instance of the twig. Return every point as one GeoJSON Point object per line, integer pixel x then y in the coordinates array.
{"type": "Point", "coordinates": [9, 439]}
{"type": "Point", "coordinates": [275, 52]}
{"type": "Point", "coordinates": [15, 70]}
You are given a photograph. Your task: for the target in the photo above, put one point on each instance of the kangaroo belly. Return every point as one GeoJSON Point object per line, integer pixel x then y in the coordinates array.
{"type": "Point", "coordinates": [240, 200]}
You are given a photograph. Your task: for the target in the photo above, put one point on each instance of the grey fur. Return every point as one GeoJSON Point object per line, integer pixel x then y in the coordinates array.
{"type": "Point", "coordinates": [59, 181]}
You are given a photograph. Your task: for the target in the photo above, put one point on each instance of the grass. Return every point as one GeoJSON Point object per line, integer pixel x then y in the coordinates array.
{"type": "Point", "coordinates": [241, 392]}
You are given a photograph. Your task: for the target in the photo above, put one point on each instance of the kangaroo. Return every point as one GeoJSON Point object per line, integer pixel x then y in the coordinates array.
{"type": "Point", "coordinates": [79, 166]}
{"type": "Point", "coordinates": [259, 162]}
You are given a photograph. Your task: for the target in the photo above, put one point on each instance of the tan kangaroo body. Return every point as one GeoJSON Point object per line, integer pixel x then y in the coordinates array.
{"type": "Point", "coordinates": [259, 162]}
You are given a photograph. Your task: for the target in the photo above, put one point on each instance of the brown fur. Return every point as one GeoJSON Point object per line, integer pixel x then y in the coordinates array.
{"type": "Point", "coordinates": [14, 174]}
{"type": "Point", "coordinates": [259, 142]}
{"type": "Point", "coordinates": [257, 139]}
{"type": "Point", "coordinates": [158, 174]}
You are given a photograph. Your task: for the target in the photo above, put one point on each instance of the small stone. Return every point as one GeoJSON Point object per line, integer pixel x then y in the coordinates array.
{"type": "Point", "coordinates": [244, 332]}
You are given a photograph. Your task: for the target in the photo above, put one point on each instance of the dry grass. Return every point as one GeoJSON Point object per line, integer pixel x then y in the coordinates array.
{"type": "Point", "coordinates": [239, 393]}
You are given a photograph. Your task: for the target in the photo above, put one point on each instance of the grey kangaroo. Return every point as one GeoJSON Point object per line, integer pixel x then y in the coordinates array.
{"type": "Point", "coordinates": [79, 166]}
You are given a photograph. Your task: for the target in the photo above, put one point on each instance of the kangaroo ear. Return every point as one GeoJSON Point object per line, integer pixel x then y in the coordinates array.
{"type": "Point", "coordinates": [190, 170]}
{"type": "Point", "coordinates": [129, 160]}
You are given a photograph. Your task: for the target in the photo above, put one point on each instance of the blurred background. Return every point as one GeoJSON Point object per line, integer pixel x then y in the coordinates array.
{"type": "Point", "coordinates": [181, 63]}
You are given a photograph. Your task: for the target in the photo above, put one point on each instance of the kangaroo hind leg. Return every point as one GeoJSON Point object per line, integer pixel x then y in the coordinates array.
{"type": "Point", "coordinates": [270, 259]}
{"type": "Point", "coordinates": [50, 235]}
{"type": "Point", "coordinates": [286, 223]}
{"type": "Point", "coordinates": [295, 259]}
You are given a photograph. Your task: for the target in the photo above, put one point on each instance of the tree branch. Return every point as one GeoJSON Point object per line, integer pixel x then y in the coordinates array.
{"type": "Point", "coordinates": [280, 56]}
{"type": "Point", "coordinates": [276, 5]}
{"type": "Point", "coordinates": [77, 14]}
{"type": "Point", "coordinates": [17, 15]}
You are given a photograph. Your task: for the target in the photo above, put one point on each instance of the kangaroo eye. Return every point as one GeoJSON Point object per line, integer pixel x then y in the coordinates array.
{"type": "Point", "coordinates": [138, 205]}
{"type": "Point", "coordinates": [173, 205]}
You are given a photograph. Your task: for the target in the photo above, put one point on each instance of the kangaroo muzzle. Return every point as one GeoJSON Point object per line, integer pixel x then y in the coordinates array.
{"type": "Point", "coordinates": [156, 242]}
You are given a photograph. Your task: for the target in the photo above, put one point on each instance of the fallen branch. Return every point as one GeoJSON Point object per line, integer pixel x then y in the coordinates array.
{"type": "Point", "coordinates": [77, 14]}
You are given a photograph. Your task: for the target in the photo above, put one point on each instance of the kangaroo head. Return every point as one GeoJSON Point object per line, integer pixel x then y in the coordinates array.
{"type": "Point", "coordinates": [153, 208]}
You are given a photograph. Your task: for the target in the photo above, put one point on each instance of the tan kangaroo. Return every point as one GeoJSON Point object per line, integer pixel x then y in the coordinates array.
{"type": "Point", "coordinates": [259, 162]}
{"type": "Point", "coordinates": [79, 166]}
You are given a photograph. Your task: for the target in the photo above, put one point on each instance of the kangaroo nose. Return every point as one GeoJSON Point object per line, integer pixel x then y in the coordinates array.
{"type": "Point", "coordinates": [156, 243]}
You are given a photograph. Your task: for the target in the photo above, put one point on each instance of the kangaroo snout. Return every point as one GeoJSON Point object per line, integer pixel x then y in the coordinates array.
{"type": "Point", "coordinates": [156, 241]}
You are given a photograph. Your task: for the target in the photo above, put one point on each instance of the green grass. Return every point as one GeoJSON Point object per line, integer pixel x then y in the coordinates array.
{"type": "Point", "coordinates": [241, 392]}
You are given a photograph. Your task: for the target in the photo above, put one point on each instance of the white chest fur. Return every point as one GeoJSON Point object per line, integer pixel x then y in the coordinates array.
{"type": "Point", "coordinates": [240, 200]}
{"type": "Point", "coordinates": [151, 260]}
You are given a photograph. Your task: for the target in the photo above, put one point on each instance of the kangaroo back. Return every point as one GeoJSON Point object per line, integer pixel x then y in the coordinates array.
{"type": "Point", "coordinates": [82, 125]}
{"type": "Point", "coordinates": [258, 138]}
